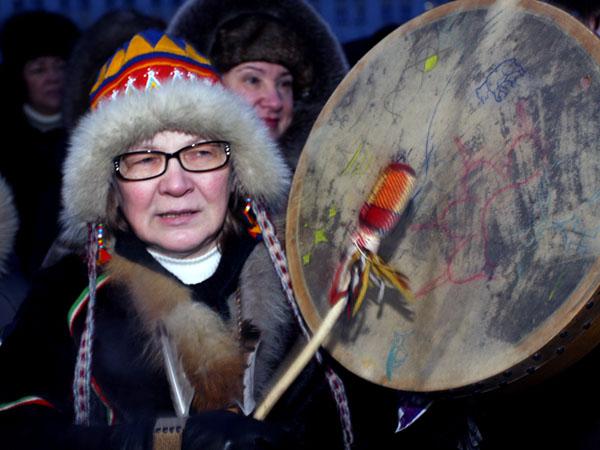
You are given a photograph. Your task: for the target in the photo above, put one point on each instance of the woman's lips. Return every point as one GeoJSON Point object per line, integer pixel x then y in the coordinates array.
{"type": "Point", "coordinates": [177, 217]}
{"type": "Point", "coordinates": [271, 123]}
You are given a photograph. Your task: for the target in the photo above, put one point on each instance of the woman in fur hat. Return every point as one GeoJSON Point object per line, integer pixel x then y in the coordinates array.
{"type": "Point", "coordinates": [35, 46]}
{"type": "Point", "coordinates": [183, 314]}
{"type": "Point", "coordinates": [278, 54]}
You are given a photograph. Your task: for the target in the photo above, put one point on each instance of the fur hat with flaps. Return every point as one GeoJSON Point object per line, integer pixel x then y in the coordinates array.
{"type": "Point", "coordinates": [264, 28]}
{"type": "Point", "coordinates": [262, 37]}
{"type": "Point", "coordinates": [33, 34]}
{"type": "Point", "coordinates": [156, 83]}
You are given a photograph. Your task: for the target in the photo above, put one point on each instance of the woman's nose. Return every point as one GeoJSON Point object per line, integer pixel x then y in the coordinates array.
{"type": "Point", "coordinates": [176, 180]}
{"type": "Point", "coordinates": [272, 97]}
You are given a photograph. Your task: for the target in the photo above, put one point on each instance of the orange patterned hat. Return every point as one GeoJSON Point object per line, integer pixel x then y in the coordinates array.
{"type": "Point", "coordinates": [149, 59]}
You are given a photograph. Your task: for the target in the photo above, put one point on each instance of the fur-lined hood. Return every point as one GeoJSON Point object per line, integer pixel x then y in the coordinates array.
{"type": "Point", "coordinates": [195, 107]}
{"type": "Point", "coordinates": [197, 21]}
{"type": "Point", "coordinates": [8, 223]}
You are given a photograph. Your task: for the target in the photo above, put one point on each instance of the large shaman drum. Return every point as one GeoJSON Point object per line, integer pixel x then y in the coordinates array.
{"type": "Point", "coordinates": [496, 105]}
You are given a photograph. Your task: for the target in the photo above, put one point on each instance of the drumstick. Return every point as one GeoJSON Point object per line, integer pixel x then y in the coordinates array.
{"type": "Point", "coordinates": [300, 362]}
{"type": "Point", "coordinates": [377, 217]}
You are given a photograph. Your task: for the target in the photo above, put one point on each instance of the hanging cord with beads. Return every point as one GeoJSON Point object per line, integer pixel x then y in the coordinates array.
{"type": "Point", "coordinates": [81, 380]}
{"type": "Point", "coordinates": [278, 258]}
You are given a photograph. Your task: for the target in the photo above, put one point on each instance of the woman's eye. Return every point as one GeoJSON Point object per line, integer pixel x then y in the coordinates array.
{"type": "Point", "coordinates": [202, 154]}
{"type": "Point", "coordinates": [252, 80]}
{"type": "Point", "coordinates": [143, 160]}
{"type": "Point", "coordinates": [36, 70]}
{"type": "Point", "coordinates": [287, 83]}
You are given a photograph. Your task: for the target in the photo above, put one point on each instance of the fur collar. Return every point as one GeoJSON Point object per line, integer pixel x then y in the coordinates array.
{"type": "Point", "coordinates": [213, 357]}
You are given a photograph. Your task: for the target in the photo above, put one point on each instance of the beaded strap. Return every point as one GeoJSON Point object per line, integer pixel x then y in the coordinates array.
{"type": "Point", "coordinates": [82, 377]}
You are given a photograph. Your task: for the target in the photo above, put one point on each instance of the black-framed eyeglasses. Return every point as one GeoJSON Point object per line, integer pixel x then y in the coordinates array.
{"type": "Point", "coordinates": [146, 164]}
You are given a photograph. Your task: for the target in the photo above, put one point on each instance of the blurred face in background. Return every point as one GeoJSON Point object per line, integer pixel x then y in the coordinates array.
{"type": "Point", "coordinates": [268, 88]}
{"type": "Point", "coordinates": [44, 79]}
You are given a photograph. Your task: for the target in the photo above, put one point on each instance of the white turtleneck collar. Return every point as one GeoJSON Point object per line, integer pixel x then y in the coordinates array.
{"type": "Point", "coordinates": [190, 270]}
{"type": "Point", "coordinates": [42, 122]}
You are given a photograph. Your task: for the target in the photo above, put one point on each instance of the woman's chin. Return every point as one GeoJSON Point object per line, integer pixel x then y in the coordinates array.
{"type": "Point", "coordinates": [185, 249]}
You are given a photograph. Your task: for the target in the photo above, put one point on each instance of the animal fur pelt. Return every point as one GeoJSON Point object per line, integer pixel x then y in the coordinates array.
{"type": "Point", "coordinates": [201, 336]}
{"type": "Point", "coordinates": [210, 350]}
{"type": "Point", "coordinates": [8, 223]}
{"type": "Point", "coordinates": [197, 21]}
{"type": "Point", "coordinates": [264, 305]}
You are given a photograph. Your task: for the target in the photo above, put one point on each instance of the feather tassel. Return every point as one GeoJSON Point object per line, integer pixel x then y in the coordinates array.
{"type": "Point", "coordinates": [182, 392]}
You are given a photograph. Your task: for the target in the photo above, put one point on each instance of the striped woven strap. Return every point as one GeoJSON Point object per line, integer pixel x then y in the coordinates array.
{"type": "Point", "coordinates": [336, 385]}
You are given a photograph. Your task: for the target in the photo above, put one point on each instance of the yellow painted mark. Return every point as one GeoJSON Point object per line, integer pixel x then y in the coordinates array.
{"type": "Point", "coordinates": [431, 62]}
{"type": "Point", "coordinates": [332, 212]}
{"type": "Point", "coordinates": [368, 363]}
{"type": "Point", "coordinates": [320, 236]}
{"type": "Point", "coordinates": [306, 259]}
{"type": "Point", "coordinates": [555, 288]}
{"type": "Point", "coordinates": [353, 161]}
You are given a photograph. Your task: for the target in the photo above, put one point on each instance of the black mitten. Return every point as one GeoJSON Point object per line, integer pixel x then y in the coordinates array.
{"type": "Point", "coordinates": [218, 430]}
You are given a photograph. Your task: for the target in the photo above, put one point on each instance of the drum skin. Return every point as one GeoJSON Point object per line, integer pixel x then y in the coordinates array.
{"type": "Point", "coordinates": [496, 106]}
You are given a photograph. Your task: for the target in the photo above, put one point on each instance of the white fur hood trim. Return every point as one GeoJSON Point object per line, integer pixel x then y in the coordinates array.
{"type": "Point", "coordinates": [195, 107]}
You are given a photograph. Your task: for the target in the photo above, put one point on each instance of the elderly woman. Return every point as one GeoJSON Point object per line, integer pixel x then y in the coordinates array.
{"type": "Point", "coordinates": [279, 55]}
{"type": "Point", "coordinates": [183, 314]}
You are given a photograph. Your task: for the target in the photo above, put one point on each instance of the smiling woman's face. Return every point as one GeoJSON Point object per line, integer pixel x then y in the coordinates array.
{"type": "Point", "coordinates": [268, 88]}
{"type": "Point", "coordinates": [179, 213]}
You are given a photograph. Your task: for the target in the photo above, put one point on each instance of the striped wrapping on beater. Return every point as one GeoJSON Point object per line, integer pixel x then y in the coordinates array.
{"type": "Point", "coordinates": [382, 210]}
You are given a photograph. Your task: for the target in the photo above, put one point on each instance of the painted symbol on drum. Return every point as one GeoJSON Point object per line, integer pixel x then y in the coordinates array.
{"type": "Point", "coordinates": [499, 81]}
{"type": "Point", "coordinates": [359, 162]}
{"type": "Point", "coordinates": [319, 234]}
{"type": "Point", "coordinates": [467, 255]}
{"type": "Point", "coordinates": [398, 354]}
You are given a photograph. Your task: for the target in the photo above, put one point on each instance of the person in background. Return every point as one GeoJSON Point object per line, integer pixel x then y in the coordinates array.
{"type": "Point", "coordinates": [278, 55]}
{"type": "Point", "coordinates": [167, 289]}
{"type": "Point", "coordinates": [35, 46]}
{"type": "Point", "coordinates": [96, 44]}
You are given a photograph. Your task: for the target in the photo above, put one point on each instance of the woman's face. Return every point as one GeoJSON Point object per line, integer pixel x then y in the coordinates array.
{"type": "Point", "coordinates": [44, 79]}
{"type": "Point", "coordinates": [268, 88]}
{"type": "Point", "coordinates": [179, 213]}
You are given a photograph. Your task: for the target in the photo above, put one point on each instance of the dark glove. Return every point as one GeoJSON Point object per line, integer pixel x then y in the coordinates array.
{"type": "Point", "coordinates": [218, 430]}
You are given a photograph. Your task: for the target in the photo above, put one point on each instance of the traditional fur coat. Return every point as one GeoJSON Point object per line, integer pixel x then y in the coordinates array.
{"type": "Point", "coordinates": [133, 293]}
